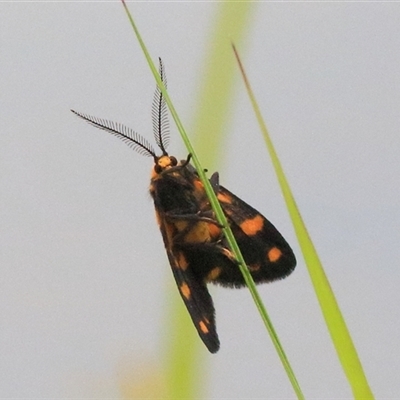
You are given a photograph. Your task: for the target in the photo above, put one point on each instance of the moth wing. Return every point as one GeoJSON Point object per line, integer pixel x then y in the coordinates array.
{"type": "Point", "coordinates": [267, 254]}
{"type": "Point", "coordinates": [195, 295]}
{"type": "Point", "coordinates": [192, 288]}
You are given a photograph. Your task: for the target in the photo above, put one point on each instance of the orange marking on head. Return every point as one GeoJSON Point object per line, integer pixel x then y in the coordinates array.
{"type": "Point", "coordinates": [184, 288]}
{"type": "Point", "coordinates": [274, 254]}
{"type": "Point", "coordinates": [251, 226]}
{"type": "Point", "coordinates": [203, 327]}
{"type": "Point", "coordinates": [214, 274]}
{"type": "Point", "coordinates": [162, 163]}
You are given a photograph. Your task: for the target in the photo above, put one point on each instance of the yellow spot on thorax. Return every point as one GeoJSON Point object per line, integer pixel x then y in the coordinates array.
{"type": "Point", "coordinates": [252, 226]}
{"type": "Point", "coordinates": [200, 233]}
{"type": "Point", "coordinates": [198, 184]}
{"type": "Point", "coordinates": [274, 254]}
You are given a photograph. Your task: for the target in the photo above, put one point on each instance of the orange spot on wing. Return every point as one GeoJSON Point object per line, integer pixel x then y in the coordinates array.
{"type": "Point", "coordinates": [214, 274]}
{"type": "Point", "coordinates": [252, 226]}
{"type": "Point", "coordinates": [224, 198]}
{"type": "Point", "coordinates": [181, 261]}
{"type": "Point", "coordinates": [185, 290]}
{"type": "Point", "coordinates": [274, 254]}
{"type": "Point", "coordinates": [203, 327]}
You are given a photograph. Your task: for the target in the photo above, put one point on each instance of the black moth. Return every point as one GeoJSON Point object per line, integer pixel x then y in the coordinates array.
{"type": "Point", "coordinates": [196, 248]}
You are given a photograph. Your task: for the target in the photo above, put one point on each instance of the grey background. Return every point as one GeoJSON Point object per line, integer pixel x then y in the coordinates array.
{"type": "Point", "coordinates": [84, 278]}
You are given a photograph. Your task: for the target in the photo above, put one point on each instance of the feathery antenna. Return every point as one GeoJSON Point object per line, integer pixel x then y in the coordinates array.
{"type": "Point", "coordinates": [127, 135]}
{"type": "Point", "coordinates": [159, 113]}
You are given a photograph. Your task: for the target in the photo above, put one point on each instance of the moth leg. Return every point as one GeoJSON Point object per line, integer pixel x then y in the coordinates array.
{"type": "Point", "coordinates": [205, 216]}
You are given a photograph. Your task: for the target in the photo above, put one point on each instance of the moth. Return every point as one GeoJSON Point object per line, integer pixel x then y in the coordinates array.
{"type": "Point", "coordinates": [196, 247]}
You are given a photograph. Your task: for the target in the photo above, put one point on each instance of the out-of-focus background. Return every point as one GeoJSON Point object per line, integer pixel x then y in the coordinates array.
{"type": "Point", "coordinates": [85, 283]}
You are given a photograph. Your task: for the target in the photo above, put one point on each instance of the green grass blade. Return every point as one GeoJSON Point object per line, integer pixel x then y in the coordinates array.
{"type": "Point", "coordinates": [333, 317]}
{"type": "Point", "coordinates": [218, 81]}
{"type": "Point", "coordinates": [219, 215]}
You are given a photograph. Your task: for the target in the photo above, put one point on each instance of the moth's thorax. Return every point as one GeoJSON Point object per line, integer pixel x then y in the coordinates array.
{"type": "Point", "coordinates": [172, 186]}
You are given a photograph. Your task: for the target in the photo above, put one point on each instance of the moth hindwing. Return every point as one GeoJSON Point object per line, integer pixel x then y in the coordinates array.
{"type": "Point", "coordinates": [196, 247]}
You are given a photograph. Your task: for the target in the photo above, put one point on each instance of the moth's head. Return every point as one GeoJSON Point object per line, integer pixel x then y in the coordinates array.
{"type": "Point", "coordinates": [163, 163]}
